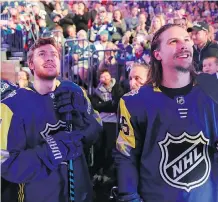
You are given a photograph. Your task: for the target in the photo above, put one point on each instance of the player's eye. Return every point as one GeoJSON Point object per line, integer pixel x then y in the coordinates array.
{"type": "Point", "coordinates": [41, 54]}
{"type": "Point", "coordinates": [173, 42]}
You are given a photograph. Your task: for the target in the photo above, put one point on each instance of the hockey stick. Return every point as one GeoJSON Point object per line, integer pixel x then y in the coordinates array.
{"type": "Point", "coordinates": [208, 84]}
{"type": "Point", "coordinates": [69, 128]}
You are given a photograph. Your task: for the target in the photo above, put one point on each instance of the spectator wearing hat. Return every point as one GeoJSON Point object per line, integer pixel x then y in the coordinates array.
{"type": "Point", "coordinates": [199, 35]}
{"type": "Point", "coordinates": [210, 61]}
{"type": "Point", "coordinates": [102, 43]}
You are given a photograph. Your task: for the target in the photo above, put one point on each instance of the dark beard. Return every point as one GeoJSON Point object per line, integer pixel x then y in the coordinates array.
{"type": "Point", "coordinates": [184, 70]}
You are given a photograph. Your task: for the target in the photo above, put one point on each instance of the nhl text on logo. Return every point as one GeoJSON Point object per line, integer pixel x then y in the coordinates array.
{"type": "Point", "coordinates": [185, 162]}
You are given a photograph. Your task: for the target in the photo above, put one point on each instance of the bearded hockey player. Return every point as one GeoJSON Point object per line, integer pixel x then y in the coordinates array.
{"type": "Point", "coordinates": [167, 144]}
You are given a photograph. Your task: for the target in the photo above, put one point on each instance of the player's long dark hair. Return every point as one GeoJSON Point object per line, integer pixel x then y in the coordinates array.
{"type": "Point", "coordinates": [155, 72]}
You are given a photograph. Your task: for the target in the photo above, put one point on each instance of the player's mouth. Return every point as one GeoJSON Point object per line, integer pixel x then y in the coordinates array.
{"type": "Point", "coordinates": [184, 55]}
{"type": "Point", "coordinates": [49, 66]}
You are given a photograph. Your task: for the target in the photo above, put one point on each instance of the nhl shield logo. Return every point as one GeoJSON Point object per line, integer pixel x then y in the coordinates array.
{"type": "Point", "coordinates": [185, 162]}
{"type": "Point", "coordinates": [49, 128]}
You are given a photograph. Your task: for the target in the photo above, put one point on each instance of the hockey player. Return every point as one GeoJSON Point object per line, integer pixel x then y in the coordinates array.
{"type": "Point", "coordinates": [33, 130]}
{"type": "Point", "coordinates": [167, 144]}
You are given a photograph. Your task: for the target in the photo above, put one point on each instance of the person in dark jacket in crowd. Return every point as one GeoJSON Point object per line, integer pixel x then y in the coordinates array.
{"type": "Point", "coordinates": [81, 19]}
{"type": "Point", "coordinates": [199, 35]}
{"type": "Point", "coordinates": [105, 100]}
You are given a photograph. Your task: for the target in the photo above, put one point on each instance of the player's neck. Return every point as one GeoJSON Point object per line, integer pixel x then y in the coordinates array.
{"type": "Point", "coordinates": [44, 86]}
{"type": "Point", "coordinates": [175, 79]}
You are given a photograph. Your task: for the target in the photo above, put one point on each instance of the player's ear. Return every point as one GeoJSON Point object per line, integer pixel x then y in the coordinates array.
{"type": "Point", "coordinates": [31, 66]}
{"type": "Point", "coordinates": [157, 55]}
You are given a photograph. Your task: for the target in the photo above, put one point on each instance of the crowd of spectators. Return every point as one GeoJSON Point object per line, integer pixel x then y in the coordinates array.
{"type": "Point", "coordinates": [86, 29]}
{"type": "Point", "coordinates": [109, 40]}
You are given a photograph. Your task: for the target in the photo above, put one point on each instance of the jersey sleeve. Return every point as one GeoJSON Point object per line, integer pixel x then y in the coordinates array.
{"type": "Point", "coordinates": [24, 165]}
{"type": "Point", "coordinates": [128, 148]}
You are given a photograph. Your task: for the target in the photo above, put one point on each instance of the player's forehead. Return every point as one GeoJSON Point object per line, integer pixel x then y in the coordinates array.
{"type": "Point", "coordinates": [48, 48]}
{"type": "Point", "coordinates": [174, 33]}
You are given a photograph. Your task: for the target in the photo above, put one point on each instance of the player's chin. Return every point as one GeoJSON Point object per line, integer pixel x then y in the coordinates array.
{"type": "Point", "coordinates": [184, 68]}
{"type": "Point", "coordinates": [49, 76]}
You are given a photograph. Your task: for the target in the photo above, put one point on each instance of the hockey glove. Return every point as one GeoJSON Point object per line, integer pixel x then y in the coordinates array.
{"type": "Point", "coordinates": [73, 102]}
{"type": "Point", "coordinates": [60, 147]}
{"type": "Point", "coordinates": [67, 100]}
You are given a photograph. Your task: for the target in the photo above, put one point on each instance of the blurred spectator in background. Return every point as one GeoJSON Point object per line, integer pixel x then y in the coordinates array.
{"type": "Point", "coordinates": [23, 79]}
{"type": "Point", "coordinates": [102, 22]}
{"type": "Point", "coordinates": [202, 44]}
{"type": "Point", "coordinates": [211, 34]}
{"type": "Point", "coordinates": [81, 19]}
{"type": "Point", "coordinates": [156, 23]}
{"type": "Point", "coordinates": [101, 44]}
{"type": "Point", "coordinates": [142, 27]}
{"type": "Point", "coordinates": [71, 33]}
{"type": "Point", "coordinates": [57, 33]}
{"type": "Point", "coordinates": [105, 100]}
{"type": "Point", "coordinates": [138, 76]}
{"type": "Point", "coordinates": [81, 54]}
{"type": "Point", "coordinates": [120, 25]}
{"type": "Point", "coordinates": [110, 61]}
{"type": "Point", "coordinates": [132, 21]}
{"type": "Point", "coordinates": [210, 61]}
{"type": "Point", "coordinates": [43, 29]}
{"type": "Point", "coordinates": [181, 22]}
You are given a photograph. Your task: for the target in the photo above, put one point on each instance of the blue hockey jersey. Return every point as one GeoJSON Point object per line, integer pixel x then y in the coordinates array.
{"type": "Point", "coordinates": [7, 88]}
{"type": "Point", "coordinates": [167, 148]}
{"type": "Point", "coordinates": [26, 118]}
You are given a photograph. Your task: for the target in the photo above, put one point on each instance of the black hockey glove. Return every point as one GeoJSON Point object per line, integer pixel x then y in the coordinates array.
{"type": "Point", "coordinates": [75, 103]}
